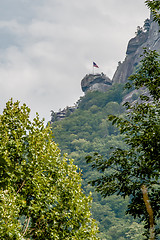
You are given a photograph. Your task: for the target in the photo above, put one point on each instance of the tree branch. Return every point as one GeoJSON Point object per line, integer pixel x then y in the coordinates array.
{"type": "Point", "coordinates": [27, 226]}
{"type": "Point", "coordinates": [21, 187]}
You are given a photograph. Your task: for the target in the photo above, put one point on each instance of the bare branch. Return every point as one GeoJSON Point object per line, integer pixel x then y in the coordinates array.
{"type": "Point", "coordinates": [21, 187]}
{"type": "Point", "coordinates": [27, 226]}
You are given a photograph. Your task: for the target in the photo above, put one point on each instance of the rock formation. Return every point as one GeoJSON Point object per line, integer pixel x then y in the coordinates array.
{"type": "Point", "coordinates": [149, 38]}
{"type": "Point", "coordinates": [146, 37]}
{"type": "Point", "coordinates": [97, 82]}
{"type": "Point", "coordinates": [61, 114]}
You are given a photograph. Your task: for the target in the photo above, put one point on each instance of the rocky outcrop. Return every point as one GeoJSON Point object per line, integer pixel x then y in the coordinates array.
{"type": "Point", "coordinates": [97, 82]}
{"type": "Point", "coordinates": [61, 114]}
{"type": "Point", "coordinates": [136, 42]}
{"type": "Point", "coordinates": [145, 39]}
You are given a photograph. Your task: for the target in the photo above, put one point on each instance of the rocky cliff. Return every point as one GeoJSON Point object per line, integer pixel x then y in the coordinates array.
{"type": "Point", "coordinates": [149, 38]}
{"type": "Point", "coordinates": [146, 37]}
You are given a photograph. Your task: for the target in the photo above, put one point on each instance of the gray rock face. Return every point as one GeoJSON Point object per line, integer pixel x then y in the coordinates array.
{"type": "Point", "coordinates": [136, 42]}
{"type": "Point", "coordinates": [97, 82]}
{"type": "Point", "coordinates": [149, 39]}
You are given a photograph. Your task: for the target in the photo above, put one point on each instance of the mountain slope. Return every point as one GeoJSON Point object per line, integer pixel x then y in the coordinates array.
{"type": "Point", "coordinates": [86, 130]}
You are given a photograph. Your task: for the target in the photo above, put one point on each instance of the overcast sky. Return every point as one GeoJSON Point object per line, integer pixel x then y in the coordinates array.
{"type": "Point", "coordinates": [48, 46]}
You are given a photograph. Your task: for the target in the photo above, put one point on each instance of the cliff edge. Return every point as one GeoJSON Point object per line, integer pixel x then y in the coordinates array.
{"type": "Point", "coordinates": [147, 37]}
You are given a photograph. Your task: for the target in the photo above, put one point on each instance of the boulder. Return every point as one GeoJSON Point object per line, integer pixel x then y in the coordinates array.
{"type": "Point", "coordinates": [96, 82]}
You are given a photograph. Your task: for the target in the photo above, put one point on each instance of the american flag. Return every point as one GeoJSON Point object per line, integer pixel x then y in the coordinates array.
{"type": "Point", "coordinates": [95, 65]}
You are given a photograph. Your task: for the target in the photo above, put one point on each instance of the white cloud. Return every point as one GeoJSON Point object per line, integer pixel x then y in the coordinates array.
{"type": "Point", "coordinates": [47, 46]}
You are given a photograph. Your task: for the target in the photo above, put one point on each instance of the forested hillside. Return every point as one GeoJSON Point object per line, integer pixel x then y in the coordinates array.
{"type": "Point", "coordinates": [93, 173]}
{"type": "Point", "coordinates": [87, 131]}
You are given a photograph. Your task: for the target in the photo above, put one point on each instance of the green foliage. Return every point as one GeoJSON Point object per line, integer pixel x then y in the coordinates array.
{"type": "Point", "coordinates": [146, 25]}
{"type": "Point", "coordinates": [139, 30]}
{"type": "Point", "coordinates": [40, 190]}
{"type": "Point", "coordinates": [135, 231]}
{"type": "Point", "coordinates": [154, 6]}
{"type": "Point", "coordinates": [95, 98]}
{"type": "Point", "coordinates": [88, 130]}
{"type": "Point", "coordinates": [148, 74]}
{"type": "Point", "coordinates": [10, 227]}
{"type": "Point", "coordinates": [127, 170]}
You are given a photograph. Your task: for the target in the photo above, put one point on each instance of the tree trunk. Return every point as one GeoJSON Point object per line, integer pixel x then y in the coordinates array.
{"type": "Point", "coordinates": [150, 212]}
